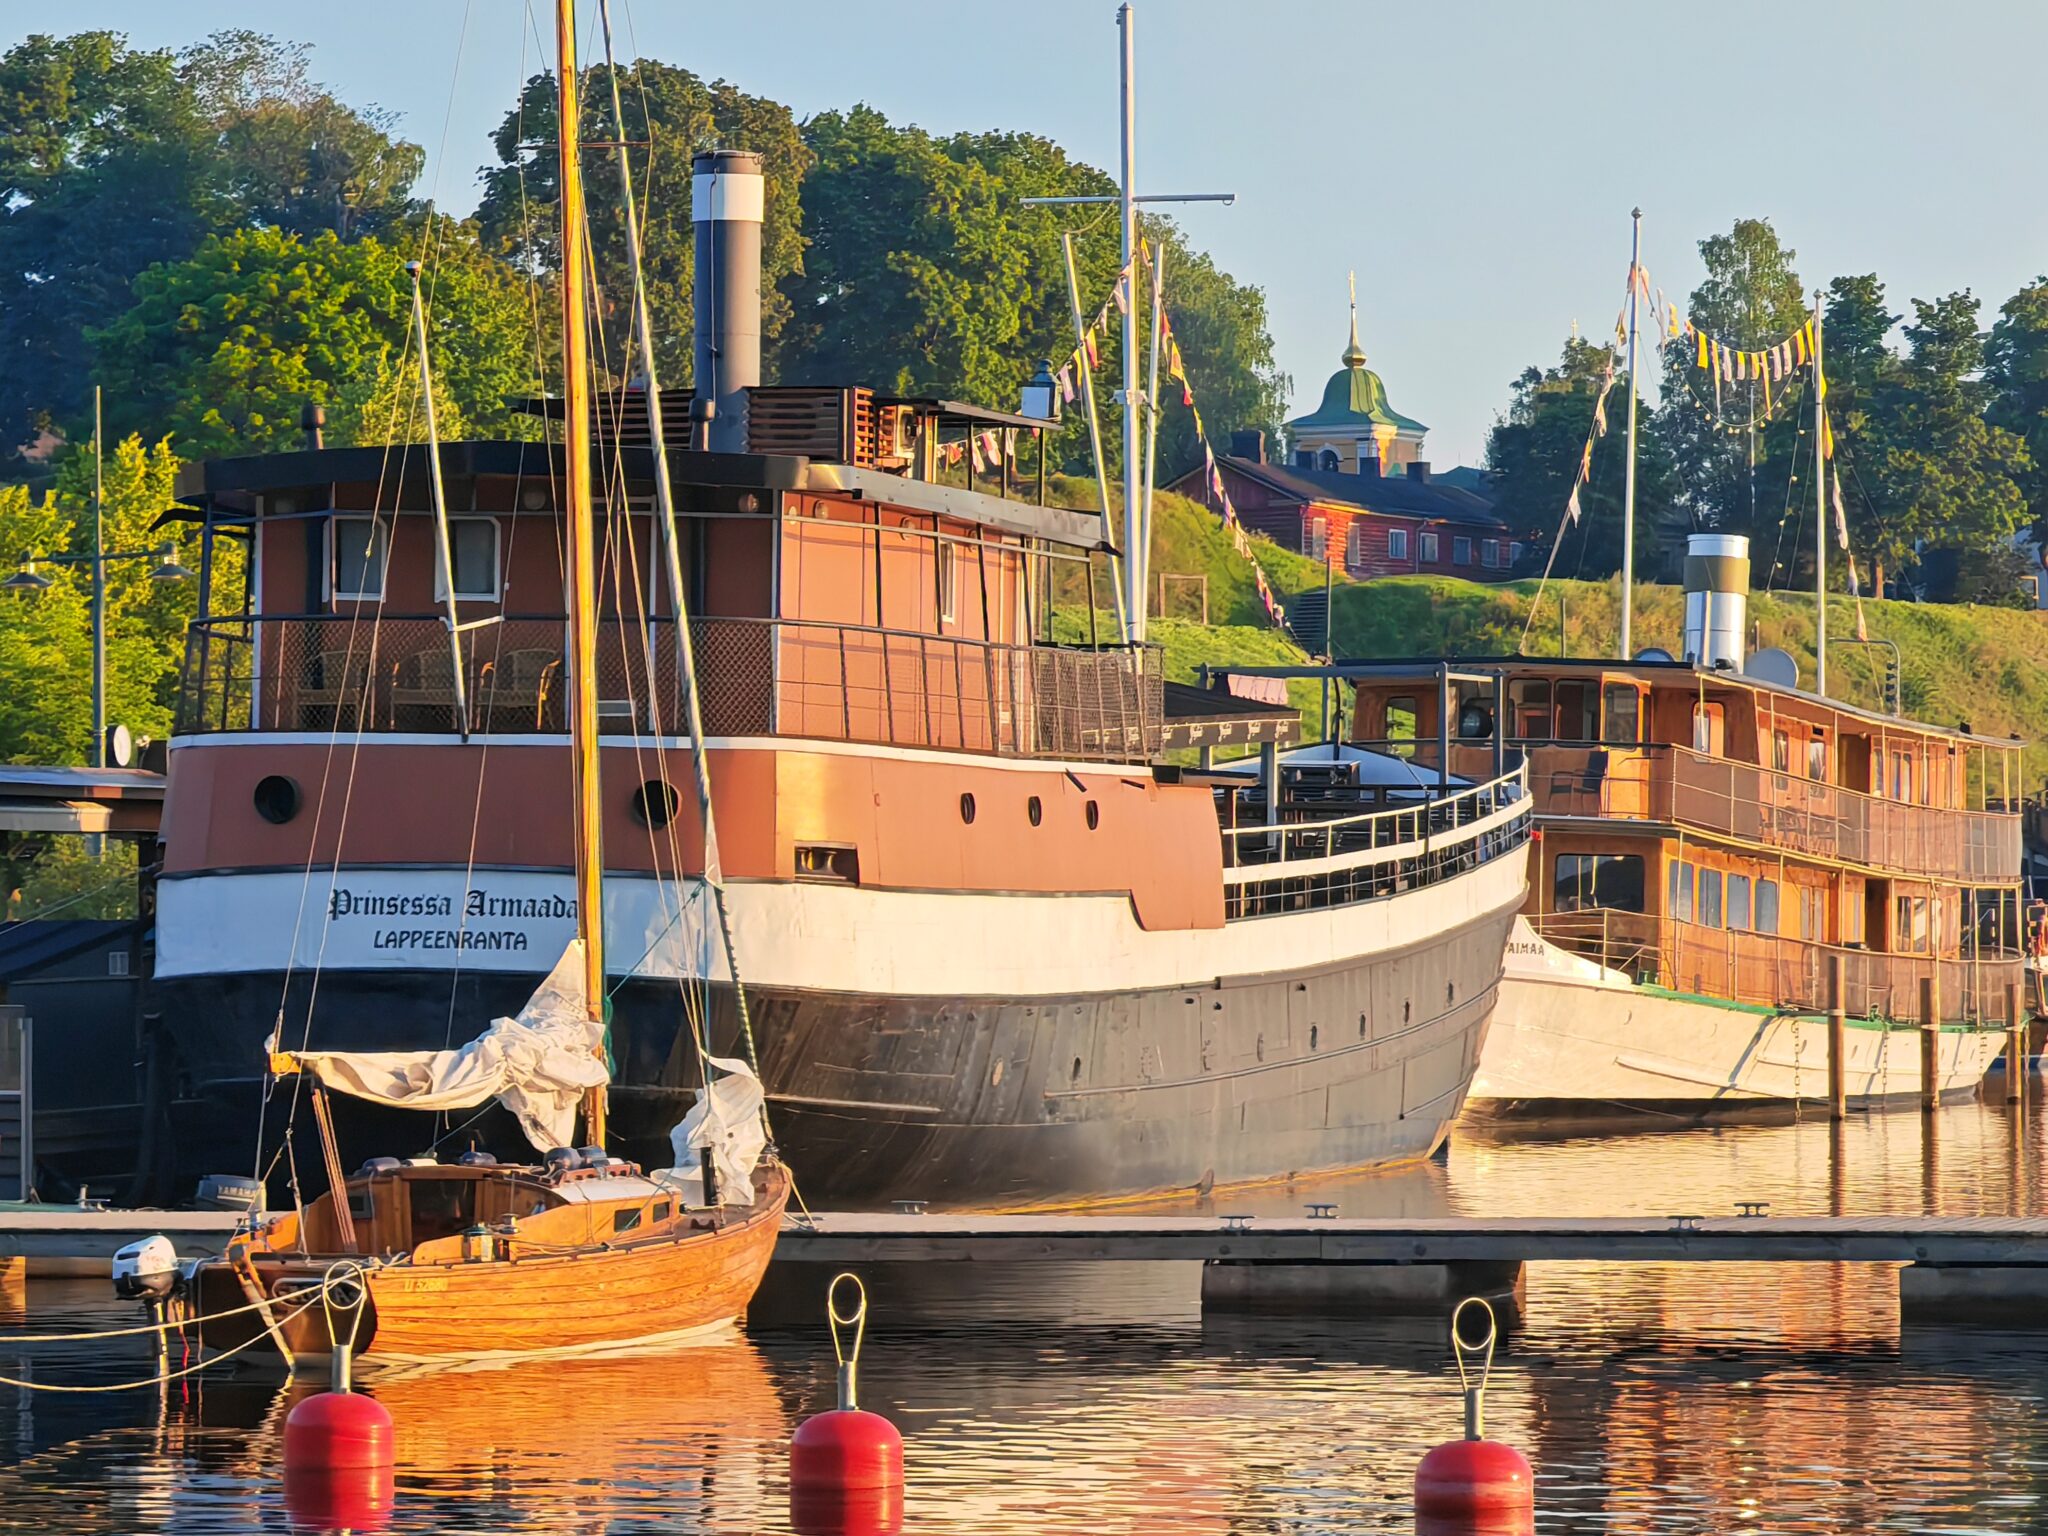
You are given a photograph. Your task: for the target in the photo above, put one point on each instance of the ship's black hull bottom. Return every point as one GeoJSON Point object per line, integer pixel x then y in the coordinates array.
{"type": "Point", "coordinates": [873, 1099]}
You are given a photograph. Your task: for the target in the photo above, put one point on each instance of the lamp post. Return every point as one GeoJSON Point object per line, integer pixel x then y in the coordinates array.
{"type": "Point", "coordinates": [27, 579]}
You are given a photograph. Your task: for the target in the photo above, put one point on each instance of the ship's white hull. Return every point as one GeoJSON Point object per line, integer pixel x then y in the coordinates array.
{"type": "Point", "coordinates": [1571, 1040]}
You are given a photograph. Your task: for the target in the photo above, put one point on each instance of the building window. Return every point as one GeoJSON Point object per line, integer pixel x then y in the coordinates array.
{"type": "Point", "coordinates": [1817, 758]}
{"type": "Point", "coordinates": [1766, 906]}
{"type": "Point", "coordinates": [1461, 550]}
{"type": "Point", "coordinates": [1738, 901]}
{"type": "Point", "coordinates": [1354, 546]}
{"type": "Point", "coordinates": [473, 549]}
{"type": "Point", "coordinates": [362, 553]}
{"type": "Point", "coordinates": [1709, 729]}
{"type": "Point", "coordinates": [1489, 553]}
{"type": "Point", "coordinates": [1317, 543]}
{"type": "Point", "coordinates": [1588, 880]}
{"type": "Point", "coordinates": [1327, 460]}
{"type": "Point", "coordinates": [1428, 549]}
{"type": "Point", "coordinates": [1514, 554]}
{"type": "Point", "coordinates": [1910, 934]}
{"type": "Point", "coordinates": [1397, 543]}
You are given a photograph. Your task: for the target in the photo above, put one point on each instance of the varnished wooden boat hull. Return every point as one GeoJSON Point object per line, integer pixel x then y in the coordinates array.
{"type": "Point", "coordinates": [669, 1285]}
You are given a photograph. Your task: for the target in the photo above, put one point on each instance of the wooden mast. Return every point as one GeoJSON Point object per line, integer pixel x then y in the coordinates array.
{"type": "Point", "coordinates": [582, 545]}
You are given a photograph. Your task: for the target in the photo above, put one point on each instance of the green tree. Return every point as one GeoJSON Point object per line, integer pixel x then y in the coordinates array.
{"type": "Point", "coordinates": [223, 349]}
{"type": "Point", "coordinates": [114, 160]}
{"type": "Point", "coordinates": [1942, 477]}
{"type": "Point", "coordinates": [1862, 375]}
{"type": "Point", "coordinates": [1534, 452]}
{"type": "Point", "coordinates": [2016, 369]}
{"type": "Point", "coordinates": [1750, 298]}
{"type": "Point", "coordinates": [45, 655]}
{"type": "Point", "coordinates": [673, 114]}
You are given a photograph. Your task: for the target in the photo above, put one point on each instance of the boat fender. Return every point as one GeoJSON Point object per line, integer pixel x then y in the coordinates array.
{"type": "Point", "coordinates": [846, 1466]}
{"type": "Point", "coordinates": [1474, 1485]}
{"type": "Point", "coordinates": [562, 1160]}
{"type": "Point", "coordinates": [376, 1165]}
{"type": "Point", "coordinates": [474, 1159]}
{"type": "Point", "coordinates": [593, 1157]}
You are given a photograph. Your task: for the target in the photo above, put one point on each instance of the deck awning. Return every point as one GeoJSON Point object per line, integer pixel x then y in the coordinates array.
{"type": "Point", "coordinates": [1212, 717]}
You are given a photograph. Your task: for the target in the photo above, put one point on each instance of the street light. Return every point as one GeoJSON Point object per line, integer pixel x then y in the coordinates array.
{"type": "Point", "coordinates": [167, 567]}
{"type": "Point", "coordinates": [25, 579]}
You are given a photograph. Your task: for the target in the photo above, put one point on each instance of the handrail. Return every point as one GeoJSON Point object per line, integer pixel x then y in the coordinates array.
{"type": "Point", "coordinates": [1516, 777]}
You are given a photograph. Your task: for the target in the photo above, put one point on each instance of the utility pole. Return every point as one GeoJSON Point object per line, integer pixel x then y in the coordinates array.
{"type": "Point", "coordinates": [1137, 501]}
{"type": "Point", "coordinates": [1628, 492]}
{"type": "Point", "coordinates": [1820, 510]}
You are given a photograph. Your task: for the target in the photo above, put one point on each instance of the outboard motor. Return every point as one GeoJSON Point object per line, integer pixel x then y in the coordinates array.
{"type": "Point", "coordinates": [230, 1192]}
{"type": "Point", "coordinates": [147, 1270]}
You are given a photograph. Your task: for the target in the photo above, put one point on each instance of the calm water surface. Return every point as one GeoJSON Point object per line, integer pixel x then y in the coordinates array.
{"type": "Point", "coordinates": [1097, 1399]}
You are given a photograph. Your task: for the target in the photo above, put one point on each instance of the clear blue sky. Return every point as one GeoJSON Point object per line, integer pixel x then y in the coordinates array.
{"type": "Point", "coordinates": [1475, 162]}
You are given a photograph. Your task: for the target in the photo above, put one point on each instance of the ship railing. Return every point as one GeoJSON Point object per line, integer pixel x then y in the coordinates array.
{"type": "Point", "coordinates": [1772, 808]}
{"type": "Point", "coordinates": [1769, 970]}
{"type": "Point", "coordinates": [759, 677]}
{"type": "Point", "coordinates": [1322, 859]}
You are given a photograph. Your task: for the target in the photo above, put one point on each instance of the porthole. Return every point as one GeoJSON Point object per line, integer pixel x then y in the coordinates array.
{"type": "Point", "coordinates": [655, 803]}
{"type": "Point", "coordinates": [967, 809]}
{"type": "Point", "coordinates": [1094, 815]}
{"type": "Point", "coordinates": [277, 798]}
{"type": "Point", "coordinates": [1035, 809]}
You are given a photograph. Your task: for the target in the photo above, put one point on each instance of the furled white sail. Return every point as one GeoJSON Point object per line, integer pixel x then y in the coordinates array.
{"type": "Point", "coordinates": [537, 1065]}
{"type": "Point", "coordinates": [726, 1123]}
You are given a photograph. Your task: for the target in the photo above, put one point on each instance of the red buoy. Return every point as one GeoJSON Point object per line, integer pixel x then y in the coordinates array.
{"type": "Point", "coordinates": [846, 1465]}
{"type": "Point", "coordinates": [338, 1498]}
{"type": "Point", "coordinates": [338, 1430]}
{"type": "Point", "coordinates": [1474, 1486]}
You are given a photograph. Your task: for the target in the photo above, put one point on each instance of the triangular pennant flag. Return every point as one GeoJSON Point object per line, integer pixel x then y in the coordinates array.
{"type": "Point", "coordinates": [1586, 462]}
{"type": "Point", "coordinates": [1701, 337]}
{"type": "Point", "coordinates": [1862, 633]}
{"type": "Point", "coordinates": [1066, 378]}
{"type": "Point", "coordinates": [1010, 444]}
{"type": "Point", "coordinates": [1741, 366]}
{"type": "Point", "coordinates": [1187, 396]}
{"type": "Point", "coordinates": [953, 451]}
{"type": "Point", "coordinates": [974, 452]}
{"type": "Point", "coordinates": [1094, 356]}
{"type": "Point", "coordinates": [1572, 506]}
{"type": "Point", "coordinates": [1600, 415]}
{"type": "Point", "coordinates": [1117, 295]}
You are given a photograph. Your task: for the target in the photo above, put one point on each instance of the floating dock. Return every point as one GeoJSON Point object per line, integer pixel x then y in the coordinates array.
{"type": "Point", "coordinates": [1957, 1269]}
{"type": "Point", "coordinates": [75, 1240]}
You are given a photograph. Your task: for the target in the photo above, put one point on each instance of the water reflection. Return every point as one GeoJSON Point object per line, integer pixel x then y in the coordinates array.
{"type": "Point", "coordinates": [1099, 1399]}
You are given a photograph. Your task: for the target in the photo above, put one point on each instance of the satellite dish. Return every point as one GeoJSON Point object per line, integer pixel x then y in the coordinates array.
{"type": "Point", "coordinates": [1773, 665]}
{"type": "Point", "coordinates": [1654, 653]}
{"type": "Point", "coordinates": [120, 747]}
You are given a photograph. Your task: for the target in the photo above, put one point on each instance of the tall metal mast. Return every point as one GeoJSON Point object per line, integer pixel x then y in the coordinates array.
{"type": "Point", "coordinates": [1628, 493]}
{"type": "Point", "coordinates": [582, 546]}
{"type": "Point", "coordinates": [1820, 510]}
{"type": "Point", "coordinates": [1137, 510]}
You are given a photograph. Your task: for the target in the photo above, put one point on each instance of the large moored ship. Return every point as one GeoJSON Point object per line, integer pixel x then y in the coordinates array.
{"type": "Point", "coordinates": [994, 947]}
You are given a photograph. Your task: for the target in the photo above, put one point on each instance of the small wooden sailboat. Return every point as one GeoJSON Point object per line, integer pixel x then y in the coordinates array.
{"type": "Point", "coordinates": [580, 1250]}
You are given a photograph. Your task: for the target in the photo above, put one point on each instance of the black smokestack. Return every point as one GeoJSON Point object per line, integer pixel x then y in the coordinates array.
{"type": "Point", "coordinates": [725, 204]}
{"type": "Point", "coordinates": [312, 419]}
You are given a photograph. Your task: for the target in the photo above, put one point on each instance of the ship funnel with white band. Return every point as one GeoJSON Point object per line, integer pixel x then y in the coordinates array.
{"type": "Point", "coordinates": [725, 205]}
{"type": "Point", "coordinates": [1716, 598]}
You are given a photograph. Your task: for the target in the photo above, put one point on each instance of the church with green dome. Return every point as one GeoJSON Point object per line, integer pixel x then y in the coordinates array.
{"type": "Point", "coordinates": [1355, 431]}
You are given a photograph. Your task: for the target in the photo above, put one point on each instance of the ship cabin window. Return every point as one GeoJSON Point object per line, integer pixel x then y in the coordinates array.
{"type": "Point", "coordinates": [1817, 757]}
{"type": "Point", "coordinates": [1766, 906]}
{"type": "Point", "coordinates": [1813, 913]}
{"type": "Point", "coordinates": [361, 552]}
{"type": "Point", "coordinates": [473, 551]}
{"type": "Point", "coordinates": [1709, 904]}
{"type": "Point", "coordinates": [1583, 881]}
{"type": "Point", "coordinates": [1576, 703]}
{"type": "Point", "coordinates": [1678, 892]}
{"type": "Point", "coordinates": [949, 583]}
{"type": "Point", "coordinates": [1738, 901]}
{"type": "Point", "coordinates": [1853, 916]}
{"type": "Point", "coordinates": [625, 1221]}
{"type": "Point", "coordinates": [1401, 726]}
{"type": "Point", "coordinates": [1902, 776]}
{"type": "Point", "coordinates": [1781, 751]}
{"type": "Point", "coordinates": [1530, 701]}
{"type": "Point", "coordinates": [1911, 932]}
{"type": "Point", "coordinates": [1709, 729]}
{"type": "Point", "coordinates": [441, 1207]}
{"type": "Point", "coordinates": [1621, 715]}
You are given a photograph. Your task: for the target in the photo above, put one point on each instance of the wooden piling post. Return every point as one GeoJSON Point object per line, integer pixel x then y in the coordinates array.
{"type": "Point", "coordinates": [1838, 1073]}
{"type": "Point", "coordinates": [2015, 1048]}
{"type": "Point", "coordinates": [1930, 1045]}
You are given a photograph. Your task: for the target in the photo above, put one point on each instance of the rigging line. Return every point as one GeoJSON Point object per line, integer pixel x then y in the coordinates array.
{"type": "Point", "coordinates": [1791, 481]}
{"type": "Point", "coordinates": [328, 759]}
